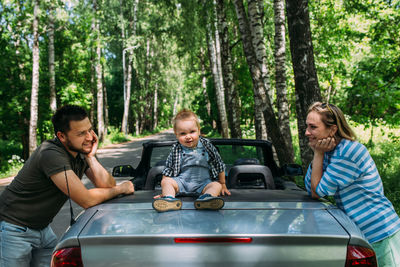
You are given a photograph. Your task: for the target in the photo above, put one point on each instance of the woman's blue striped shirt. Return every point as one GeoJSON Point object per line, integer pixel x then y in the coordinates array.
{"type": "Point", "coordinates": [351, 176]}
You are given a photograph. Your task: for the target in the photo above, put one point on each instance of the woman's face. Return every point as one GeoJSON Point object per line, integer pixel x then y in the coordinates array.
{"type": "Point", "coordinates": [316, 129]}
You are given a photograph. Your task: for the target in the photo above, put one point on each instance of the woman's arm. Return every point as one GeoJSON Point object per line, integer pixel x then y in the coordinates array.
{"type": "Point", "coordinates": [322, 146]}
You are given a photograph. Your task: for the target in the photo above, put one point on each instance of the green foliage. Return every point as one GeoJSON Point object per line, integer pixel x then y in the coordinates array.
{"type": "Point", "coordinates": [10, 158]}
{"type": "Point", "coordinates": [387, 159]}
{"type": "Point", "coordinates": [375, 94]}
{"type": "Point", "coordinates": [114, 136]}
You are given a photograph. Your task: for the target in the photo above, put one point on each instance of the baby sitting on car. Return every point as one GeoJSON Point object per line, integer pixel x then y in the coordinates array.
{"type": "Point", "coordinates": [190, 168]}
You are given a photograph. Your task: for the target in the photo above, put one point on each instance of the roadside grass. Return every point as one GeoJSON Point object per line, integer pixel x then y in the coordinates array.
{"type": "Point", "coordinates": [114, 136]}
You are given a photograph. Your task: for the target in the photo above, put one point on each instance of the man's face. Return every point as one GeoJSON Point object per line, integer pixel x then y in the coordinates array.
{"type": "Point", "coordinates": [187, 133]}
{"type": "Point", "coordinates": [79, 138]}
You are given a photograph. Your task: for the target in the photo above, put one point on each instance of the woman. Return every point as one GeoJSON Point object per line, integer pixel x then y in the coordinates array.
{"type": "Point", "coordinates": [343, 168]}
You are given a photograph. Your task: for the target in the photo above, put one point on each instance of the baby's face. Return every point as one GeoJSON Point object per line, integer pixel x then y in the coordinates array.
{"type": "Point", "coordinates": [187, 133]}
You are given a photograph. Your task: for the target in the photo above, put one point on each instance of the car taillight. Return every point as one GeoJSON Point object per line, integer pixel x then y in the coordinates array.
{"type": "Point", "coordinates": [213, 240]}
{"type": "Point", "coordinates": [67, 257]}
{"type": "Point", "coordinates": [360, 257]}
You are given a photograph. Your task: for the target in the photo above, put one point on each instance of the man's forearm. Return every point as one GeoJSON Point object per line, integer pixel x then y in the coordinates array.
{"type": "Point", "coordinates": [98, 195]}
{"type": "Point", "coordinates": [99, 175]}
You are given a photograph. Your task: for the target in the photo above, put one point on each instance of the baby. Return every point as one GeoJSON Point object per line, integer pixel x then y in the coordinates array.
{"type": "Point", "coordinates": [190, 168]}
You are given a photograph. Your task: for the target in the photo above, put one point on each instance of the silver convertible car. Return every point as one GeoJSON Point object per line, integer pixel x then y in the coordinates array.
{"type": "Point", "coordinates": [267, 221]}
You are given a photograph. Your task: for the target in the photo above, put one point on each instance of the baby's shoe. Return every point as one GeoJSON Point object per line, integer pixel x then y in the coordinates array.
{"type": "Point", "coordinates": [167, 203]}
{"type": "Point", "coordinates": [208, 202]}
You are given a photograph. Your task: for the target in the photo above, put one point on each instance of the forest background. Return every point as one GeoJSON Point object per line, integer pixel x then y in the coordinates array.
{"type": "Point", "coordinates": [249, 69]}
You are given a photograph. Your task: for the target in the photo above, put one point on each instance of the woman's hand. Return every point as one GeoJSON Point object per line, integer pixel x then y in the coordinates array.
{"type": "Point", "coordinates": [325, 145]}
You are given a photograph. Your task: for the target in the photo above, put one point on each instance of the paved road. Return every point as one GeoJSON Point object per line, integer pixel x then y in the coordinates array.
{"type": "Point", "coordinates": [127, 153]}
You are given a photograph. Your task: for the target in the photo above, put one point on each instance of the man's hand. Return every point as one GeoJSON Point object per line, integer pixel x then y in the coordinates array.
{"type": "Point", "coordinates": [127, 187]}
{"type": "Point", "coordinates": [95, 145]}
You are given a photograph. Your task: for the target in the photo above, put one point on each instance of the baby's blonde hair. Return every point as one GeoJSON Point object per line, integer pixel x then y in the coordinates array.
{"type": "Point", "coordinates": [186, 114]}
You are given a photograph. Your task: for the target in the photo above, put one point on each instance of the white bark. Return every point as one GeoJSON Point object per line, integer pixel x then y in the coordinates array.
{"type": "Point", "coordinates": [155, 107]}
{"type": "Point", "coordinates": [232, 97]}
{"type": "Point", "coordinates": [52, 73]}
{"type": "Point", "coordinates": [99, 82]}
{"type": "Point", "coordinates": [257, 34]}
{"type": "Point", "coordinates": [280, 73]}
{"type": "Point", "coordinates": [259, 93]}
{"type": "Point", "coordinates": [220, 96]}
{"type": "Point", "coordinates": [35, 80]}
{"type": "Point", "coordinates": [127, 72]}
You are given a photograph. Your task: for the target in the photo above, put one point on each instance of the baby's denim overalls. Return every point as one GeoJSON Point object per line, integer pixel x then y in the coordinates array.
{"type": "Point", "coordinates": [194, 175]}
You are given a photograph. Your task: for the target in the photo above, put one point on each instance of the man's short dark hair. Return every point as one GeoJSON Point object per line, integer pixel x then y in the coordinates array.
{"type": "Point", "coordinates": [64, 115]}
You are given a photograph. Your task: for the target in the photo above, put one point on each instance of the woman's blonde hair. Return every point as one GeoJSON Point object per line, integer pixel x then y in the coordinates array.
{"type": "Point", "coordinates": [332, 115]}
{"type": "Point", "coordinates": [186, 114]}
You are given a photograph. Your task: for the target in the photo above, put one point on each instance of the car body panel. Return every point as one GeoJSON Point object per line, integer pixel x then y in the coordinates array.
{"type": "Point", "coordinates": [271, 251]}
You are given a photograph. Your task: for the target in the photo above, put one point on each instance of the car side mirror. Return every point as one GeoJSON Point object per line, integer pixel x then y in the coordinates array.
{"type": "Point", "coordinates": [292, 170]}
{"type": "Point", "coordinates": [123, 171]}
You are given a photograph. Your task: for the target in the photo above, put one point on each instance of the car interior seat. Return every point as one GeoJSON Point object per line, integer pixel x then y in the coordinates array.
{"type": "Point", "coordinates": [154, 176]}
{"type": "Point", "coordinates": [248, 173]}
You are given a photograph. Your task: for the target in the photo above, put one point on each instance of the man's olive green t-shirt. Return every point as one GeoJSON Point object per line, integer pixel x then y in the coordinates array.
{"type": "Point", "coordinates": [32, 199]}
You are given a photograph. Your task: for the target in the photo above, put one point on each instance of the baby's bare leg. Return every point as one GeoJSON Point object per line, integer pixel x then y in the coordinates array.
{"type": "Point", "coordinates": [213, 188]}
{"type": "Point", "coordinates": [169, 187]}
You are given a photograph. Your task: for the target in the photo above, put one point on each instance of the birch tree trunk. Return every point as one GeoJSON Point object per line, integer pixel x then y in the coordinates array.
{"type": "Point", "coordinates": [127, 95]}
{"type": "Point", "coordinates": [146, 122]}
{"type": "Point", "coordinates": [280, 73]}
{"type": "Point", "coordinates": [260, 97]}
{"type": "Point", "coordinates": [52, 73]}
{"type": "Point", "coordinates": [125, 115]}
{"type": "Point", "coordinates": [106, 118]}
{"type": "Point", "coordinates": [155, 107]}
{"type": "Point", "coordinates": [232, 96]}
{"type": "Point", "coordinates": [35, 80]}
{"type": "Point", "coordinates": [127, 73]}
{"type": "Point", "coordinates": [257, 37]}
{"type": "Point", "coordinates": [214, 53]}
{"type": "Point", "coordinates": [220, 97]}
{"type": "Point", "coordinates": [251, 61]}
{"type": "Point", "coordinates": [99, 83]}
{"type": "Point", "coordinates": [305, 76]}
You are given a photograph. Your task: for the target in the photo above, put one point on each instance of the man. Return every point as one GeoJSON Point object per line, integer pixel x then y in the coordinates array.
{"type": "Point", "coordinates": [51, 174]}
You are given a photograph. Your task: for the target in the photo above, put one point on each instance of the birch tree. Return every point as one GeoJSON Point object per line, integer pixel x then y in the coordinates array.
{"type": "Point", "coordinates": [52, 73]}
{"type": "Point", "coordinates": [280, 73]}
{"type": "Point", "coordinates": [232, 96]}
{"type": "Point", "coordinates": [259, 93]}
{"type": "Point", "coordinates": [35, 79]}
{"type": "Point", "coordinates": [262, 101]}
{"type": "Point", "coordinates": [155, 107]}
{"type": "Point", "coordinates": [257, 38]}
{"type": "Point", "coordinates": [305, 76]}
{"type": "Point", "coordinates": [214, 54]}
{"type": "Point", "coordinates": [99, 73]}
{"type": "Point", "coordinates": [127, 72]}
